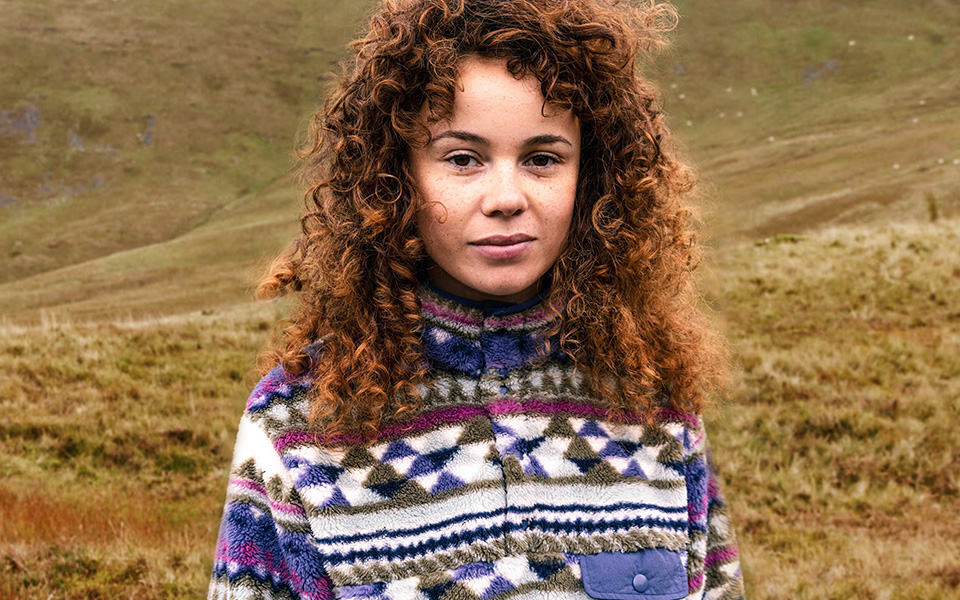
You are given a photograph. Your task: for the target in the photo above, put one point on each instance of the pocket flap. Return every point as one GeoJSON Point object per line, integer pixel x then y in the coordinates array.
{"type": "Point", "coordinates": [650, 574]}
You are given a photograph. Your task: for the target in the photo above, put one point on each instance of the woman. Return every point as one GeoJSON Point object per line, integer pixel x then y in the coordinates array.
{"type": "Point", "coordinates": [492, 385]}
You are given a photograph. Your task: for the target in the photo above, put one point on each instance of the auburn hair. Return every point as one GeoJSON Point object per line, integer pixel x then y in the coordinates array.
{"type": "Point", "coordinates": [627, 308]}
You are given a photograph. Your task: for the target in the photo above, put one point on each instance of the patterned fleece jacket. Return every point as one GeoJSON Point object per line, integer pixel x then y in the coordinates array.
{"type": "Point", "coordinates": [510, 482]}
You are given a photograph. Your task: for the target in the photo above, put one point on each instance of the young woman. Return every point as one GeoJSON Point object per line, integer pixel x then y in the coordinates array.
{"type": "Point", "coordinates": [491, 388]}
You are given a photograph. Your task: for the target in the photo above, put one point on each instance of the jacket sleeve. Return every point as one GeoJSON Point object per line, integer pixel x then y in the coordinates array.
{"type": "Point", "coordinates": [713, 563]}
{"type": "Point", "coordinates": [265, 548]}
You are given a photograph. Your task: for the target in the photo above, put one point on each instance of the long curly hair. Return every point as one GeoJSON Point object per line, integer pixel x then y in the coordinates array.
{"type": "Point", "coordinates": [628, 310]}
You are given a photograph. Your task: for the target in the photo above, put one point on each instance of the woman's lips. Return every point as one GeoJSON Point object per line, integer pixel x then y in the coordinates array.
{"type": "Point", "coordinates": [503, 247]}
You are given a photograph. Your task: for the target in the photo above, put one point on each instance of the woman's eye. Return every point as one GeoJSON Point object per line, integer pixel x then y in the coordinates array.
{"type": "Point", "coordinates": [462, 160]}
{"type": "Point", "coordinates": [542, 160]}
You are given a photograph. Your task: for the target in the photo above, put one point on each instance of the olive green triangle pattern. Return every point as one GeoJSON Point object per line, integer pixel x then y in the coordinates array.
{"type": "Point", "coordinates": [358, 457]}
{"type": "Point", "coordinates": [581, 454]}
{"type": "Point", "coordinates": [580, 449]}
{"type": "Point", "coordinates": [671, 452]}
{"type": "Point", "coordinates": [248, 470]}
{"type": "Point", "coordinates": [603, 474]}
{"type": "Point", "coordinates": [475, 431]}
{"type": "Point", "coordinates": [654, 435]}
{"type": "Point", "coordinates": [410, 494]}
{"type": "Point", "coordinates": [559, 426]}
{"type": "Point", "coordinates": [382, 474]}
{"type": "Point", "coordinates": [512, 469]}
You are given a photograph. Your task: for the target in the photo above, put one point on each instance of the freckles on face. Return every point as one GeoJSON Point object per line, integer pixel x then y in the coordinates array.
{"type": "Point", "coordinates": [498, 183]}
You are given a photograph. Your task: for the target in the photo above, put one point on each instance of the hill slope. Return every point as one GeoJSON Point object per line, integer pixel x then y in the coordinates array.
{"type": "Point", "coordinates": [132, 138]}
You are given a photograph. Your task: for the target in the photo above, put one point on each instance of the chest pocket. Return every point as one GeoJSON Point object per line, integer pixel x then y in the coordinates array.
{"type": "Point", "coordinates": [650, 574]}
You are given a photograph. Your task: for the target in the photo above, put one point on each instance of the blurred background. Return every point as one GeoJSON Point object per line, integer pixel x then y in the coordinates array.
{"type": "Point", "coordinates": [146, 160]}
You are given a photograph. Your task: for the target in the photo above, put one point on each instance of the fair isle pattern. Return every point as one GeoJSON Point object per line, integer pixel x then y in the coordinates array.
{"type": "Point", "coordinates": [512, 575]}
{"type": "Point", "coordinates": [508, 474]}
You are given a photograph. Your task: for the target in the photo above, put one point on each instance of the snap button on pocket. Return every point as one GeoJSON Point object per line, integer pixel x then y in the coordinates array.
{"type": "Point", "coordinates": [647, 574]}
{"type": "Point", "coordinates": [640, 583]}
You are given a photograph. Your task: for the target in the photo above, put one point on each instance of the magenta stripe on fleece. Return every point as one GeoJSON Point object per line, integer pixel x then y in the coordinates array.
{"type": "Point", "coordinates": [291, 509]}
{"type": "Point", "coordinates": [418, 423]}
{"type": "Point", "coordinates": [696, 512]}
{"type": "Point", "coordinates": [719, 556]}
{"type": "Point", "coordinates": [505, 407]}
{"type": "Point", "coordinates": [686, 418]}
{"type": "Point", "coordinates": [695, 582]}
{"type": "Point", "coordinates": [515, 320]}
{"type": "Point", "coordinates": [713, 489]}
{"type": "Point", "coordinates": [439, 311]}
{"type": "Point", "coordinates": [250, 485]}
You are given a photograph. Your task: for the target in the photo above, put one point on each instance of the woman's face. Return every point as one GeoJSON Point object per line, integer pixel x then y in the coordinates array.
{"type": "Point", "coordinates": [498, 179]}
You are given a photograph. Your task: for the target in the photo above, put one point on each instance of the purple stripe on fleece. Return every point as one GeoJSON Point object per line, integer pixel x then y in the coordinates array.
{"type": "Point", "coordinates": [294, 438]}
{"type": "Point", "coordinates": [719, 556]}
{"type": "Point", "coordinates": [245, 558]}
{"type": "Point", "coordinates": [439, 311]}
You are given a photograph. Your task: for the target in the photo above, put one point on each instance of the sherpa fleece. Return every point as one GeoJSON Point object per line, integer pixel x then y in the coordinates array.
{"type": "Point", "coordinates": [510, 482]}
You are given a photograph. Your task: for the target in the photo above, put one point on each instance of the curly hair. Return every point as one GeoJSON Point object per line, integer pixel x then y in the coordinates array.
{"type": "Point", "coordinates": [626, 264]}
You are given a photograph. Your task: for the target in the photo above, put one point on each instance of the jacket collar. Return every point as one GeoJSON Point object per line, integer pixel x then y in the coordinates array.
{"type": "Point", "coordinates": [474, 337]}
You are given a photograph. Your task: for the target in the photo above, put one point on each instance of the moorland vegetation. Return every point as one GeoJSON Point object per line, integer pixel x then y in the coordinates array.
{"type": "Point", "coordinates": [145, 160]}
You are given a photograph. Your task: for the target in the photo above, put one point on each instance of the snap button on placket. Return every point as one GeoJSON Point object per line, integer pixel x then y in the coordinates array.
{"type": "Point", "coordinates": [640, 582]}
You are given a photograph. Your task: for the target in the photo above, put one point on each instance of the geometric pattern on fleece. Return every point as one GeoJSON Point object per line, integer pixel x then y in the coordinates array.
{"type": "Point", "coordinates": [511, 576]}
{"type": "Point", "coordinates": [507, 475]}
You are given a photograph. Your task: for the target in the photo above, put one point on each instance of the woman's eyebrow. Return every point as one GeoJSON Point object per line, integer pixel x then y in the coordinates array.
{"type": "Point", "coordinates": [466, 136]}
{"type": "Point", "coordinates": [540, 140]}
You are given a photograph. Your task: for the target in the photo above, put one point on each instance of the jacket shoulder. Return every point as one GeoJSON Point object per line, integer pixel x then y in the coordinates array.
{"type": "Point", "coordinates": [280, 402]}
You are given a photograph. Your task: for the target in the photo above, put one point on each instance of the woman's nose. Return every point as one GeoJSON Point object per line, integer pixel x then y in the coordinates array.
{"type": "Point", "coordinates": [506, 195]}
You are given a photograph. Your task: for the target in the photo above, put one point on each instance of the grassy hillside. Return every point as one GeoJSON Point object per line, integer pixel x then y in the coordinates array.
{"type": "Point", "coordinates": [125, 124]}
{"type": "Point", "coordinates": [135, 143]}
{"type": "Point", "coordinates": [145, 151]}
{"type": "Point", "coordinates": [806, 114]}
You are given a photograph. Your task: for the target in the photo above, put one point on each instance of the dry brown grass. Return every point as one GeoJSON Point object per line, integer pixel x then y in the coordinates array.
{"type": "Point", "coordinates": [840, 447]}
{"type": "Point", "coordinates": [114, 452]}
